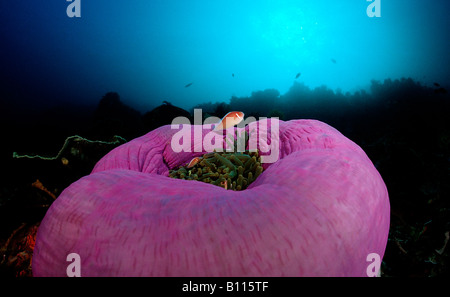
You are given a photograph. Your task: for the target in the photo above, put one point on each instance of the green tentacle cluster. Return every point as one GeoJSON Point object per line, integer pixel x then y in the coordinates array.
{"type": "Point", "coordinates": [230, 170]}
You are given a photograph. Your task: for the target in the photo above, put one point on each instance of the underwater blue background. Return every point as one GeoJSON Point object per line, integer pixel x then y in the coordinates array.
{"type": "Point", "coordinates": [148, 51]}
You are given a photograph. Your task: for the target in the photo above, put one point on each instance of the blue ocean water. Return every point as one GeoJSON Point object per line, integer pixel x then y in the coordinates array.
{"type": "Point", "coordinates": [149, 51]}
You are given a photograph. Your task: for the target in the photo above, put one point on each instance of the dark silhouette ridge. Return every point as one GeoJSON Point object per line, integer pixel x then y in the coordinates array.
{"type": "Point", "coordinates": [163, 115]}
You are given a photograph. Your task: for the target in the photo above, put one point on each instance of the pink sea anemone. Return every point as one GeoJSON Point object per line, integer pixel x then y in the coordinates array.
{"type": "Point", "coordinates": [319, 210]}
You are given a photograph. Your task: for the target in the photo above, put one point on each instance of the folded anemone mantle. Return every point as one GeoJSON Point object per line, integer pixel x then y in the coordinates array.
{"type": "Point", "coordinates": [319, 210]}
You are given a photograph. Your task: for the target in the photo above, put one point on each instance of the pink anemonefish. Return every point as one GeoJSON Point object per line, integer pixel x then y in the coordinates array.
{"type": "Point", "coordinates": [229, 120]}
{"type": "Point", "coordinates": [194, 162]}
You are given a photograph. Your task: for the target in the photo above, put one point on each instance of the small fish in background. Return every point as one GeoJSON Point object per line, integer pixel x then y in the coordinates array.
{"type": "Point", "coordinates": [298, 75]}
{"type": "Point", "coordinates": [232, 74]}
{"type": "Point", "coordinates": [439, 90]}
{"type": "Point", "coordinates": [188, 85]}
{"type": "Point", "coordinates": [229, 120]}
{"type": "Point", "coordinates": [334, 61]}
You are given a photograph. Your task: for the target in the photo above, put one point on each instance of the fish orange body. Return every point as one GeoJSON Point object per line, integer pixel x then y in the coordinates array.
{"type": "Point", "coordinates": [229, 120]}
{"type": "Point", "coordinates": [194, 162]}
